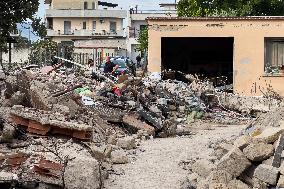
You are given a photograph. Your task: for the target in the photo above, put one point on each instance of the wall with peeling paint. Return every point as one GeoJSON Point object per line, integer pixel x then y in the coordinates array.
{"type": "Point", "coordinates": [249, 34]}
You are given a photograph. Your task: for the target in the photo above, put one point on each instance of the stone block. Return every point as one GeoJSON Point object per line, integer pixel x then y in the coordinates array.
{"type": "Point", "coordinates": [203, 168]}
{"type": "Point", "coordinates": [280, 182]}
{"type": "Point", "coordinates": [237, 184]}
{"type": "Point", "coordinates": [243, 141]}
{"type": "Point", "coordinates": [258, 184]}
{"type": "Point", "coordinates": [136, 124]}
{"type": "Point", "coordinates": [234, 162]}
{"type": "Point", "coordinates": [219, 176]}
{"type": "Point", "coordinates": [82, 173]}
{"type": "Point", "coordinates": [267, 174]}
{"type": "Point", "coordinates": [119, 157]}
{"type": "Point", "coordinates": [270, 135]}
{"type": "Point", "coordinates": [258, 151]}
{"type": "Point", "coordinates": [127, 143]}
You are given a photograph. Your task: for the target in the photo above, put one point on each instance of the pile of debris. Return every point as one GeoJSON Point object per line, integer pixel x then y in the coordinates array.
{"type": "Point", "coordinates": [56, 124]}
{"type": "Point", "coordinates": [254, 160]}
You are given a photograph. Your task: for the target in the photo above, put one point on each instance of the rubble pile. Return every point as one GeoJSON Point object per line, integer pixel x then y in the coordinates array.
{"type": "Point", "coordinates": [56, 124]}
{"type": "Point", "coordinates": [254, 160]}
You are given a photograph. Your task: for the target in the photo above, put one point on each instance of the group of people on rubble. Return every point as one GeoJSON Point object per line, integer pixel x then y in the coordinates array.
{"type": "Point", "coordinates": [111, 68]}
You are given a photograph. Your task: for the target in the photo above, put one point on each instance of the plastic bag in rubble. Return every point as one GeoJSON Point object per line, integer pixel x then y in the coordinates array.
{"type": "Point", "coordinates": [156, 76]}
{"type": "Point", "coordinates": [87, 101]}
{"type": "Point", "coordinates": [85, 91]}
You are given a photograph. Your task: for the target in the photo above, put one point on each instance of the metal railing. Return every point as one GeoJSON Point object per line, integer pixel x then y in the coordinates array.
{"type": "Point", "coordinates": [86, 33]}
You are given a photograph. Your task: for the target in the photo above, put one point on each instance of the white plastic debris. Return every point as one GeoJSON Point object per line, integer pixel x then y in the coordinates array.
{"type": "Point", "coordinates": [87, 101]}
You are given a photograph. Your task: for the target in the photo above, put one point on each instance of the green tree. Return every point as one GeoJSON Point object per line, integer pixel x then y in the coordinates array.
{"type": "Point", "coordinates": [13, 12]}
{"type": "Point", "coordinates": [43, 51]}
{"type": "Point", "coordinates": [200, 8]}
{"type": "Point", "coordinates": [143, 40]}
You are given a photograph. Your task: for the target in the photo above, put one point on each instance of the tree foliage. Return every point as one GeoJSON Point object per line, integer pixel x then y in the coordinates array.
{"type": "Point", "coordinates": [13, 12]}
{"type": "Point", "coordinates": [201, 8]}
{"type": "Point", "coordinates": [143, 40]}
{"type": "Point", "coordinates": [42, 50]}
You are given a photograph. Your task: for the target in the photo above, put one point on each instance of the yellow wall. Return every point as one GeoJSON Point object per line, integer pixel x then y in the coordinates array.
{"type": "Point", "coordinates": [248, 47]}
{"type": "Point", "coordinates": [72, 4]}
{"type": "Point", "coordinates": [77, 23]}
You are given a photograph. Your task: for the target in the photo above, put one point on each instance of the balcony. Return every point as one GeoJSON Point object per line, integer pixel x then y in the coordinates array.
{"type": "Point", "coordinates": [85, 33]}
{"type": "Point", "coordinates": [143, 14]}
{"type": "Point", "coordinates": [52, 13]}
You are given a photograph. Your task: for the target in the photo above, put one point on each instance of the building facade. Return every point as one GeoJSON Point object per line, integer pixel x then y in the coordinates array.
{"type": "Point", "coordinates": [137, 22]}
{"type": "Point", "coordinates": [250, 50]}
{"type": "Point", "coordinates": [80, 20]}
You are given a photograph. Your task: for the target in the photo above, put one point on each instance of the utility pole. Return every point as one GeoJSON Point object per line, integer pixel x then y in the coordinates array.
{"type": "Point", "coordinates": [29, 52]}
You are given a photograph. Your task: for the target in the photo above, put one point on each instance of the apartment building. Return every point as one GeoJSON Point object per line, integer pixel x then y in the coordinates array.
{"type": "Point", "coordinates": [92, 26]}
{"type": "Point", "coordinates": [137, 22]}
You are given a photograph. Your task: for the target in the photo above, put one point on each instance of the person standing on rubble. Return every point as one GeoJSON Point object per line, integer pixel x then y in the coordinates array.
{"type": "Point", "coordinates": [138, 59]}
{"type": "Point", "coordinates": [110, 67]}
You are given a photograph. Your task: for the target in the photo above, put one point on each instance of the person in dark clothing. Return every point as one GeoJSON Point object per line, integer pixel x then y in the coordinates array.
{"type": "Point", "coordinates": [54, 61]}
{"type": "Point", "coordinates": [138, 59]}
{"type": "Point", "coordinates": [110, 67]}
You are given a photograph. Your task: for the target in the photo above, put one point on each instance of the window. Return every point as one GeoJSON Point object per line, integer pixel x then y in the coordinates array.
{"type": "Point", "coordinates": [67, 27]}
{"type": "Point", "coordinates": [113, 27]}
{"type": "Point", "coordinates": [93, 5]}
{"type": "Point", "coordinates": [84, 25]}
{"type": "Point", "coordinates": [85, 5]}
{"type": "Point", "coordinates": [142, 27]}
{"type": "Point", "coordinates": [94, 25]}
{"type": "Point", "coordinates": [274, 56]}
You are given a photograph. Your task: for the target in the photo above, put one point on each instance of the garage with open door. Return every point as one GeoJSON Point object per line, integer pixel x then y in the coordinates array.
{"type": "Point", "coordinates": [208, 57]}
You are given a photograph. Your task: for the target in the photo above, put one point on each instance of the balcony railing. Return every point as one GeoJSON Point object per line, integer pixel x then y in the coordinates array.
{"type": "Point", "coordinates": [53, 13]}
{"type": "Point", "coordinates": [85, 33]}
{"type": "Point", "coordinates": [153, 11]}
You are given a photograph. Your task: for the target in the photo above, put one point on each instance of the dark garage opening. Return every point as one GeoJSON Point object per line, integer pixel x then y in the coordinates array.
{"type": "Point", "coordinates": [208, 57]}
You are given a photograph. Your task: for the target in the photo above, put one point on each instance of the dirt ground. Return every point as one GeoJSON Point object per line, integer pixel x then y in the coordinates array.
{"type": "Point", "coordinates": [158, 162]}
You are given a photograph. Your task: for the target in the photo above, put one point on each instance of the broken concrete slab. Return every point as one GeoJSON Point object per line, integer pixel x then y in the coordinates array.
{"type": "Point", "coordinates": [98, 152]}
{"type": "Point", "coordinates": [258, 151]}
{"type": "Point", "coordinates": [119, 157]}
{"type": "Point", "coordinates": [237, 184]}
{"type": "Point", "coordinates": [219, 176]}
{"type": "Point", "coordinates": [203, 167]}
{"type": "Point", "coordinates": [270, 135]}
{"type": "Point", "coordinates": [7, 135]}
{"type": "Point", "coordinates": [42, 122]}
{"type": "Point", "coordinates": [267, 174]}
{"type": "Point", "coordinates": [258, 184]}
{"type": "Point", "coordinates": [8, 176]}
{"type": "Point", "coordinates": [234, 162]}
{"type": "Point", "coordinates": [243, 141]}
{"type": "Point", "coordinates": [134, 123]}
{"type": "Point", "coordinates": [83, 172]}
{"type": "Point", "coordinates": [127, 143]}
{"type": "Point", "coordinates": [280, 182]}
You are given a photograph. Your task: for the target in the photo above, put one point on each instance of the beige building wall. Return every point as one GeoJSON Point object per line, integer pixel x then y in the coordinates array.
{"type": "Point", "coordinates": [249, 77]}
{"type": "Point", "coordinates": [73, 4]}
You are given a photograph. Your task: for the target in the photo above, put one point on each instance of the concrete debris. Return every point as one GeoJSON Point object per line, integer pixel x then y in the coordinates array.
{"type": "Point", "coordinates": [203, 168]}
{"type": "Point", "coordinates": [119, 157]}
{"type": "Point", "coordinates": [58, 127]}
{"type": "Point", "coordinates": [258, 151]}
{"type": "Point", "coordinates": [234, 162]}
{"type": "Point", "coordinates": [267, 174]}
{"type": "Point", "coordinates": [126, 143]}
{"type": "Point", "coordinates": [82, 172]}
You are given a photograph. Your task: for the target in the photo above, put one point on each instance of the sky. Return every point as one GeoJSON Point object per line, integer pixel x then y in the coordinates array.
{"type": "Point", "coordinates": [122, 4]}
